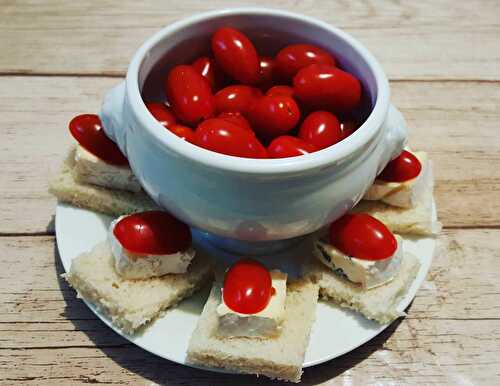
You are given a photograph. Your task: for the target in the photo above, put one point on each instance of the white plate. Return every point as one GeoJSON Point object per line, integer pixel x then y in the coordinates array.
{"type": "Point", "coordinates": [335, 332]}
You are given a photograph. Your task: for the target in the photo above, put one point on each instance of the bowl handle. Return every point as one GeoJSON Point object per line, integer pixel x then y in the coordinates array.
{"type": "Point", "coordinates": [396, 136]}
{"type": "Point", "coordinates": [112, 115]}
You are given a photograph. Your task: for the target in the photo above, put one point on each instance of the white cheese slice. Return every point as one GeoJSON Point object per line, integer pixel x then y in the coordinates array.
{"type": "Point", "coordinates": [133, 266]}
{"type": "Point", "coordinates": [90, 169]}
{"type": "Point", "coordinates": [402, 194]}
{"type": "Point", "coordinates": [266, 323]}
{"type": "Point", "coordinates": [368, 273]}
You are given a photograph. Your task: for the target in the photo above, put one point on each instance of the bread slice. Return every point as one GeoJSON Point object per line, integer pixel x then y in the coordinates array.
{"type": "Point", "coordinates": [132, 303]}
{"type": "Point", "coordinates": [417, 221]}
{"type": "Point", "coordinates": [109, 201]}
{"type": "Point", "coordinates": [277, 358]}
{"type": "Point", "coordinates": [379, 304]}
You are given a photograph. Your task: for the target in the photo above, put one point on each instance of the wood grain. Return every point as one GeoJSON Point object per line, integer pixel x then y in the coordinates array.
{"type": "Point", "coordinates": [413, 40]}
{"type": "Point", "coordinates": [452, 331]}
{"type": "Point", "coordinates": [456, 122]}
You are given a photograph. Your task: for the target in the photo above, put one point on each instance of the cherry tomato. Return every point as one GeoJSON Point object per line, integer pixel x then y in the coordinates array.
{"type": "Point", "coordinates": [362, 236]}
{"type": "Point", "coordinates": [162, 114]}
{"type": "Point", "coordinates": [87, 130]}
{"type": "Point", "coordinates": [152, 233]}
{"type": "Point", "coordinates": [225, 137]}
{"type": "Point", "coordinates": [237, 119]}
{"type": "Point", "coordinates": [288, 146]}
{"type": "Point", "coordinates": [183, 132]}
{"type": "Point", "coordinates": [322, 86]}
{"type": "Point", "coordinates": [236, 55]}
{"type": "Point", "coordinates": [272, 116]}
{"type": "Point", "coordinates": [236, 98]}
{"type": "Point", "coordinates": [280, 90]}
{"type": "Point", "coordinates": [247, 287]}
{"type": "Point", "coordinates": [348, 127]}
{"type": "Point", "coordinates": [321, 129]}
{"type": "Point", "coordinates": [190, 95]}
{"type": "Point", "coordinates": [208, 68]}
{"type": "Point", "coordinates": [266, 71]}
{"type": "Point", "coordinates": [402, 168]}
{"type": "Point", "coordinates": [294, 57]}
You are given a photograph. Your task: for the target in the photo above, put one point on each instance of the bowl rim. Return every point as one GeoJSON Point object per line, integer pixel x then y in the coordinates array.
{"type": "Point", "coordinates": [316, 160]}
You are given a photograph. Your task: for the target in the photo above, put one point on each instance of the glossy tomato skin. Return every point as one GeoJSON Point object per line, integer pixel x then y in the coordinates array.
{"type": "Point", "coordinates": [348, 127]}
{"type": "Point", "coordinates": [207, 67]}
{"type": "Point", "coordinates": [247, 287]}
{"type": "Point", "coordinates": [294, 57]}
{"type": "Point", "coordinates": [322, 86]}
{"type": "Point", "coordinates": [272, 116]}
{"type": "Point", "coordinates": [190, 95]}
{"type": "Point", "coordinates": [162, 114]}
{"type": "Point", "coordinates": [152, 233]}
{"type": "Point", "coordinates": [266, 72]}
{"type": "Point", "coordinates": [288, 146]}
{"type": "Point", "coordinates": [225, 137]}
{"type": "Point", "coordinates": [237, 119]}
{"type": "Point", "coordinates": [236, 99]}
{"type": "Point", "coordinates": [321, 129]}
{"type": "Point", "coordinates": [183, 132]}
{"type": "Point", "coordinates": [87, 130]}
{"type": "Point", "coordinates": [280, 90]}
{"type": "Point", "coordinates": [362, 236]}
{"type": "Point", "coordinates": [403, 168]}
{"type": "Point", "coordinates": [236, 55]}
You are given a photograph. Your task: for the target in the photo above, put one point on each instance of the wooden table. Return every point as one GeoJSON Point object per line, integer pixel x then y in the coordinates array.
{"type": "Point", "coordinates": [443, 60]}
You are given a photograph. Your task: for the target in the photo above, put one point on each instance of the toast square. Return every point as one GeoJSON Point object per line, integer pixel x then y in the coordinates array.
{"type": "Point", "coordinates": [132, 303]}
{"type": "Point", "coordinates": [379, 303]}
{"type": "Point", "coordinates": [112, 202]}
{"type": "Point", "coordinates": [277, 358]}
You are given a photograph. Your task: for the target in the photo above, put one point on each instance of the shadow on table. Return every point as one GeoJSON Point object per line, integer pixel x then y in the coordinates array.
{"type": "Point", "coordinates": [161, 371]}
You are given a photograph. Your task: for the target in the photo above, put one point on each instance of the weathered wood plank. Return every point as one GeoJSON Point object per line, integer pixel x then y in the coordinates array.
{"type": "Point", "coordinates": [456, 122]}
{"type": "Point", "coordinates": [452, 331]}
{"type": "Point", "coordinates": [99, 38]}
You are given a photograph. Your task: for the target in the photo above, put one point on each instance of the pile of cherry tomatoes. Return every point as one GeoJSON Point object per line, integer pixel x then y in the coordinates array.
{"type": "Point", "coordinates": [241, 104]}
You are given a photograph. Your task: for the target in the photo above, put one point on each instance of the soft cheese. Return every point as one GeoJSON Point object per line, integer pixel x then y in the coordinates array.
{"type": "Point", "coordinates": [266, 323]}
{"type": "Point", "coordinates": [368, 273]}
{"type": "Point", "coordinates": [133, 266]}
{"type": "Point", "coordinates": [402, 194]}
{"type": "Point", "coordinates": [92, 170]}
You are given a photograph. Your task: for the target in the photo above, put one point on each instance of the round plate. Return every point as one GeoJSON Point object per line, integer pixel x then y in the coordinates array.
{"type": "Point", "coordinates": [78, 230]}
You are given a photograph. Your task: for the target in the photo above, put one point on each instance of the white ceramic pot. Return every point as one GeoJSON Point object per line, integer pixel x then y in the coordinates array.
{"type": "Point", "coordinates": [252, 199]}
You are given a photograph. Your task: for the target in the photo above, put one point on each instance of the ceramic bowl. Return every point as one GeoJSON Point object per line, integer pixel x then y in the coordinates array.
{"type": "Point", "coordinates": [252, 200]}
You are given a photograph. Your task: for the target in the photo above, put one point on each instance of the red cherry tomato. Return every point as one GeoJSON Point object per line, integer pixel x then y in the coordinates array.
{"type": "Point", "coordinates": [183, 132]}
{"type": "Point", "coordinates": [348, 127]}
{"type": "Point", "coordinates": [225, 137]}
{"type": "Point", "coordinates": [236, 98]}
{"type": "Point", "coordinates": [294, 57]}
{"type": "Point", "coordinates": [403, 168]}
{"type": "Point", "coordinates": [162, 114]}
{"type": "Point", "coordinates": [152, 233]}
{"type": "Point", "coordinates": [362, 236]}
{"type": "Point", "coordinates": [237, 119]}
{"type": "Point", "coordinates": [208, 68]}
{"type": "Point", "coordinates": [288, 146]}
{"type": "Point", "coordinates": [321, 129]}
{"type": "Point", "coordinates": [236, 55]}
{"type": "Point", "coordinates": [190, 95]}
{"type": "Point", "coordinates": [266, 72]}
{"type": "Point", "coordinates": [247, 287]}
{"type": "Point", "coordinates": [321, 86]}
{"type": "Point", "coordinates": [87, 130]}
{"type": "Point", "coordinates": [280, 90]}
{"type": "Point", "coordinates": [272, 116]}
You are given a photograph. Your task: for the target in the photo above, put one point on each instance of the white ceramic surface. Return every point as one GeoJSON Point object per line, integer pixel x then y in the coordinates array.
{"type": "Point", "coordinates": [247, 199]}
{"type": "Point", "coordinates": [335, 332]}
